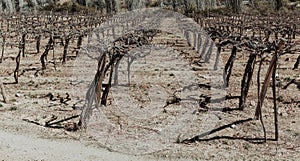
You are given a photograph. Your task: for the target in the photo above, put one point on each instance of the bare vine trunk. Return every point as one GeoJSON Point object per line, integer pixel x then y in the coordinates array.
{"type": "Point", "coordinates": [44, 55]}
{"type": "Point", "coordinates": [296, 65]}
{"type": "Point", "coordinates": [3, 48]}
{"type": "Point", "coordinates": [16, 72]}
{"type": "Point", "coordinates": [66, 45]}
{"type": "Point", "coordinates": [229, 65]}
{"type": "Point", "coordinates": [3, 93]}
{"type": "Point", "coordinates": [247, 80]}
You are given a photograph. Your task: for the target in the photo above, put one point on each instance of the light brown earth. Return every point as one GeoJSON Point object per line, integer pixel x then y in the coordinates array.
{"type": "Point", "coordinates": [21, 140]}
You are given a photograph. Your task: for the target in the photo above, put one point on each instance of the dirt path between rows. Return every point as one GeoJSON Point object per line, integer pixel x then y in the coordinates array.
{"type": "Point", "coordinates": [21, 147]}
{"type": "Point", "coordinates": [22, 141]}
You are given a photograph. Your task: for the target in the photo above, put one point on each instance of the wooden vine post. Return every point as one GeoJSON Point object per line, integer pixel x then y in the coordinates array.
{"type": "Point", "coordinates": [271, 72]}
{"type": "Point", "coordinates": [274, 97]}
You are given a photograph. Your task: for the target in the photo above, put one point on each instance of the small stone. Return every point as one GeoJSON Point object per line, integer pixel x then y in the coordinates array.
{"type": "Point", "coordinates": [252, 103]}
{"type": "Point", "coordinates": [195, 112]}
{"type": "Point", "coordinates": [173, 99]}
{"type": "Point", "coordinates": [16, 103]}
{"type": "Point", "coordinates": [282, 112]}
{"type": "Point", "coordinates": [19, 95]}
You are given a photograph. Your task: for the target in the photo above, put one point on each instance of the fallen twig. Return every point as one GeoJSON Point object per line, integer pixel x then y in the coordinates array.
{"type": "Point", "coordinates": [48, 124]}
{"type": "Point", "coordinates": [51, 124]}
{"type": "Point", "coordinates": [30, 121]}
{"type": "Point", "coordinates": [291, 82]}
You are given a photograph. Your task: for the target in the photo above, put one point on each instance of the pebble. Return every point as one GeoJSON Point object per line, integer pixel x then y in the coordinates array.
{"type": "Point", "coordinates": [16, 103]}
{"type": "Point", "coordinates": [19, 95]}
{"type": "Point", "coordinates": [252, 103]}
{"type": "Point", "coordinates": [282, 112]}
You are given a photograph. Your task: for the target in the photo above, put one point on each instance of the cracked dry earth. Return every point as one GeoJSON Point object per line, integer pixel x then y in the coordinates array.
{"type": "Point", "coordinates": [117, 131]}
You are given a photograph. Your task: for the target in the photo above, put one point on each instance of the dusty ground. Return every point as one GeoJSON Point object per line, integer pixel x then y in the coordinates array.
{"type": "Point", "coordinates": [21, 139]}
